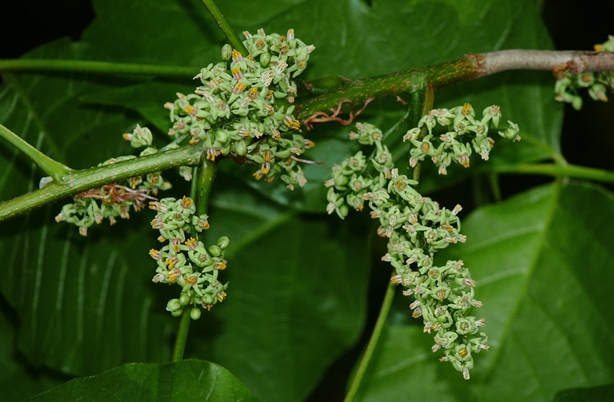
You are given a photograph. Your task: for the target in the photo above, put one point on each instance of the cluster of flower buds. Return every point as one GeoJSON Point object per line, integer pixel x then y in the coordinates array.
{"type": "Point", "coordinates": [568, 84]}
{"type": "Point", "coordinates": [416, 228]}
{"type": "Point", "coordinates": [234, 113]}
{"type": "Point", "coordinates": [115, 199]}
{"type": "Point", "coordinates": [185, 260]}
{"type": "Point", "coordinates": [463, 132]}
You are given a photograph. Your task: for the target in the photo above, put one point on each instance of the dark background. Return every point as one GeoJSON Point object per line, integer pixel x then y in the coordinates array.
{"type": "Point", "coordinates": [587, 139]}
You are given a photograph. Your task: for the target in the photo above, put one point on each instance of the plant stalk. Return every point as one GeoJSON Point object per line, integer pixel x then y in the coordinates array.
{"type": "Point", "coordinates": [549, 169]}
{"type": "Point", "coordinates": [99, 67]}
{"type": "Point", "coordinates": [372, 345]}
{"type": "Point", "coordinates": [80, 180]}
{"type": "Point", "coordinates": [225, 26]}
{"type": "Point", "coordinates": [204, 179]}
{"type": "Point", "coordinates": [182, 336]}
{"type": "Point", "coordinates": [50, 166]}
{"type": "Point", "coordinates": [469, 67]}
{"type": "Point", "coordinates": [202, 182]}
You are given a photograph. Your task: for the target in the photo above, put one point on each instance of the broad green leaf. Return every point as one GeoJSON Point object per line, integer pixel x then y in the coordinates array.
{"type": "Point", "coordinates": [188, 380]}
{"type": "Point", "coordinates": [71, 293]}
{"type": "Point", "coordinates": [543, 263]}
{"type": "Point", "coordinates": [18, 380]}
{"type": "Point", "coordinates": [296, 301]}
{"type": "Point", "coordinates": [147, 98]}
{"type": "Point", "coordinates": [603, 393]}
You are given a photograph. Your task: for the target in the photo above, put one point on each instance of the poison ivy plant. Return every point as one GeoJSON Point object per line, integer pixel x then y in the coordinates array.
{"type": "Point", "coordinates": [299, 280]}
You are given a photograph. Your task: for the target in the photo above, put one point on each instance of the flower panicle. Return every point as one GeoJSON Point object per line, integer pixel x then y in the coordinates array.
{"type": "Point", "coordinates": [416, 228]}
{"type": "Point", "coordinates": [234, 113]}
{"type": "Point", "coordinates": [452, 135]}
{"type": "Point", "coordinates": [185, 260]}
{"type": "Point", "coordinates": [113, 200]}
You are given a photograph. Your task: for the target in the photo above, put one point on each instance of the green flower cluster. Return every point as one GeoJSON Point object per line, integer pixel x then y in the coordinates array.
{"type": "Point", "coordinates": [416, 228]}
{"type": "Point", "coordinates": [463, 132]}
{"type": "Point", "coordinates": [234, 113]}
{"type": "Point", "coordinates": [186, 261]}
{"type": "Point", "coordinates": [568, 84]}
{"type": "Point", "coordinates": [115, 199]}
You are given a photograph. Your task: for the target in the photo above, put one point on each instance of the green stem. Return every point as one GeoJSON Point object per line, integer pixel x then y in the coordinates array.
{"type": "Point", "coordinates": [493, 178]}
{"type": "Point", "coordinates": [80, 180]}
{"type": "Point", "coordinates": [372, 345]}
{"type": "Point", "coordinates": [556, 156]}
{"type": "Point", "coordinates": [359, 91]}
{"type": "Point", "coordinates": [549, 169]}
{"type": "Point", "coordinates": [99, 67]}
{"type": "Point", "coordinates": [50, 166]}
{"type": "Point", "coordinates": [202, 182]}
{"type": "Point", "coordinates": [221, 20]}
{"type": "Point", "coordinates": [182, 336]}
{"type": "Point", "coordinates": [427, 105]}
{"type": "Point", "coordinates": [416, 172]}
{"type": "Point", "coordinates": [204, 179]}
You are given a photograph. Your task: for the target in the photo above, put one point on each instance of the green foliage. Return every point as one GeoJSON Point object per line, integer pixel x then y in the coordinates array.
{"type": "Point", "coordinates": [188, 380]}
{"type": "Point", "coordinates": [298, 279]}
{"type": "Point", "coordinates": [540, 260]}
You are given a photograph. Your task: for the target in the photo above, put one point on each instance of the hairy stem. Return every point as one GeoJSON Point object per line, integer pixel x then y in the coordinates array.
{"type": "Point", "coordinates": [372, 345]}
{"type": "Point", "coordinates": [80, 180]}
{"type": "Point", "coordinates": [221, 20]}
{"type": "Point", "coordinates": [50, 166]}
{"type": "Point", "coordinates": [182, 336]}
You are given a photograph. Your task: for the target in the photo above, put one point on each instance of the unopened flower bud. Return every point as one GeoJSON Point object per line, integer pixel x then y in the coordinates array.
{"type": "Point", "coordinates": [223, 242]}
{"type": "Point", "coordinates": [226, 52]}
{"type": "Point", "coordinates": [215, 250]}
{"type": "Point", "coordinates": [195, 313]}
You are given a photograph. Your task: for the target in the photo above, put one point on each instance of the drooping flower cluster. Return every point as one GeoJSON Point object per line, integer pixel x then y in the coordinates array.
{"type": "Point", "coordinates": [115, 199]}
{"type": "Point", "coordinates": [185, 260]}
{"type": "Point", "coordinates": [464, 133]}
{"type": "Point", "coordinates": [568, 84]}
{"type": "Point", "coordinates": [234, 112]}
{"type": "Point", "coordinates": [416, 228]}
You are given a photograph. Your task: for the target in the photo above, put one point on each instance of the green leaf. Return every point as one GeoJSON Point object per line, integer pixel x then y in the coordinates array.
{"type": "Point", "coordinates": [296, 300]}
{"type": "Point", "coordinates": [543, 264]}
{"type": "Point", "coordinates": [188, 380]}
{"type": "Point", "coordinates": [603, 393]}
{"type": "Point", "coordinates": [147, 98]}
{"type": "Point", "coordinates": [19, 380]}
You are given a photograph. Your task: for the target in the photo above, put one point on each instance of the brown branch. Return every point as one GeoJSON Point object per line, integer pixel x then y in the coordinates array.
{"type": "Point", "coordinates": [469, 67]}
{"type": "Point", "coordinates": [573, 61]}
